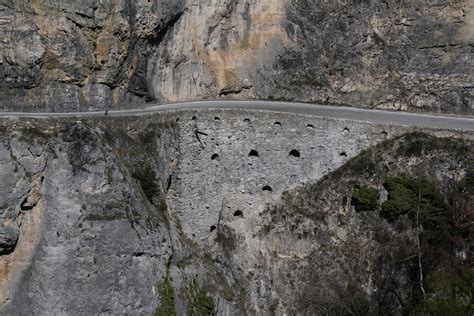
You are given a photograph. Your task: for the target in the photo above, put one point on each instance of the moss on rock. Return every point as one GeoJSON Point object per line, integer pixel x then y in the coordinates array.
{"type": "Point", "coordinates": [167, 306]}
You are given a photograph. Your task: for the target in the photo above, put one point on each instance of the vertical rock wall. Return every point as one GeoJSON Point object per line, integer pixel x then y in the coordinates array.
{"type": "Point", "coordinates": [97, 214]}
{"type": "Point", "coordinates": [63, 55]}
{"type": "Point", "coordinates": [216, 47]}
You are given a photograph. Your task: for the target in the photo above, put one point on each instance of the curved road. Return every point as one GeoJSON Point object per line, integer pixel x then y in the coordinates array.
{"type": "Point", "coordinates": [356, 114]}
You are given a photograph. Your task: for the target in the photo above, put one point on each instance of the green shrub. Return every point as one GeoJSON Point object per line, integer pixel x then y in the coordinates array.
{"type": "Point", "coordinates": [407, 195]}
{"type": "Point", "coordinates": [448, 294]}
{"type": "Point", "coordinates": [145, 175]}
{"type": "Point", "coordinates": [365, 199]}
{"type": "Point", "coordinates": [167, 306]}
{"type": "Point", "coordinates": [200, 304]}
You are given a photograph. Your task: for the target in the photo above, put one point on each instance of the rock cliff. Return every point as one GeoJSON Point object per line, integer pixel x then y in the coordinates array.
{"type": "Point", "coordinates": [234, 212]}
{"type": "Point", "coordinates": [66, 55]}
{"type": "Point", "coordinates": [223, 212]}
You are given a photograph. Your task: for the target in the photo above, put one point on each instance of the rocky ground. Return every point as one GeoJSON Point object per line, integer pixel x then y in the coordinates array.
{"type": "Point", "coordinates": [62, 55]}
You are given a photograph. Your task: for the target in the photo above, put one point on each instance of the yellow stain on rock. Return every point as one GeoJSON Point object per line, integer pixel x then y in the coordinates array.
{"type": "Point", "coordinates": [466, 33]}
{"type": "Point", "coordinates": [223, 48]}
{"type": "Point", "coordinates": [11, 265]}
{"type": "Point", "coordinates": [266, 28]}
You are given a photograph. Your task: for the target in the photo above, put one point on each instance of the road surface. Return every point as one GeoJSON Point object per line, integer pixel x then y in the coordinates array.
{"type": "Point", "coordinates": [356, 114]}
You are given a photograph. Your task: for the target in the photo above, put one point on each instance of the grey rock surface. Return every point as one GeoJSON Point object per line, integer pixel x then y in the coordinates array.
{"type": "Point", "coordinates": [69, 55]}
{"type": "Point", "coordinates": [8, 238]}
{"type": "Point", "coordinates": [104, 211]}
{"type": "Point", "coordinates": [66, 55]}
{"type": "Point", "coordinates": [408, 55]}
{"type": "Point", "coordinates": [90, 240]}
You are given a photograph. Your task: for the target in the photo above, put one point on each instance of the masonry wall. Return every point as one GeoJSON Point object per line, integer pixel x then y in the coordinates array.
{"type": "Point", "coordinates": [240, 161]}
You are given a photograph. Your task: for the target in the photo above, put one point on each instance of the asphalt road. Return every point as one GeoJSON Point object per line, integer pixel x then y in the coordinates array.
{"type": "Point", "coordinates": [356, 114]}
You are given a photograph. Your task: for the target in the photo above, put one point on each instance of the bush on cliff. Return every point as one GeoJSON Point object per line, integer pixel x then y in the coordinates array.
{"type": "Point", "coordinates": [416, 196]}
{"type": "Point", "coordinates": [365, 199]}
{"type": "Point", "coordinates": [201, 304]}
{"type": "Point", "coordinates": [450, 293]}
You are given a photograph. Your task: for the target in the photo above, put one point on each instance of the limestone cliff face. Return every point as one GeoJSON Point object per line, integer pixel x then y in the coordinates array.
{"type": "Point", "coordinates": [83, 214]}
{"type": "Point", "coordinates": [216, 48]}
{"type": "Point", "coordinates": [220, 210]}
{"type": "Point", "coordinates": [407, 55]}
{"type": "Point", "coordinates": [68, 55]}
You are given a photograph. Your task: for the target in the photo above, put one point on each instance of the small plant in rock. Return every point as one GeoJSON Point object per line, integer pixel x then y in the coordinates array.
{"type": "Point", "coordinates": [200, 303]}
{"type": "Point", "coordinates": [365, 199]}
{"type": "Point", "coordinates": [167, 306]}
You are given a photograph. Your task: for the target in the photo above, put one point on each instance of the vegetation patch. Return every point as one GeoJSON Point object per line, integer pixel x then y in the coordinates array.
{"type": "Point", "coordinates": [74, 132]}
{"type": "Point", "coordinates": [365, 199]}
{"type": "Point", "coordinates": [149, 135]}
{"type": "Point", "coordinates": [417, 265]}
{"type": "Point", "coordinates": [167, 305]}
{"type": "Point", "coordinates": [33, 133]}
{"type": "Point", "coordinates": [226, 239]}
{"type": "Point", "coordinates": [451, 293]}
{"type": "Point", "coordinates": [415, 144]}
{"type": "Point", "coordinates": [145, 175]}
{"type": "Point", "coordinates": [185, 262]}
{"type": "Point", "coordinates": [106, 217]}
{"type": "Point", "coordinates": [200, 304]}
{"type": "Point", "coordinates": [416, 197]}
